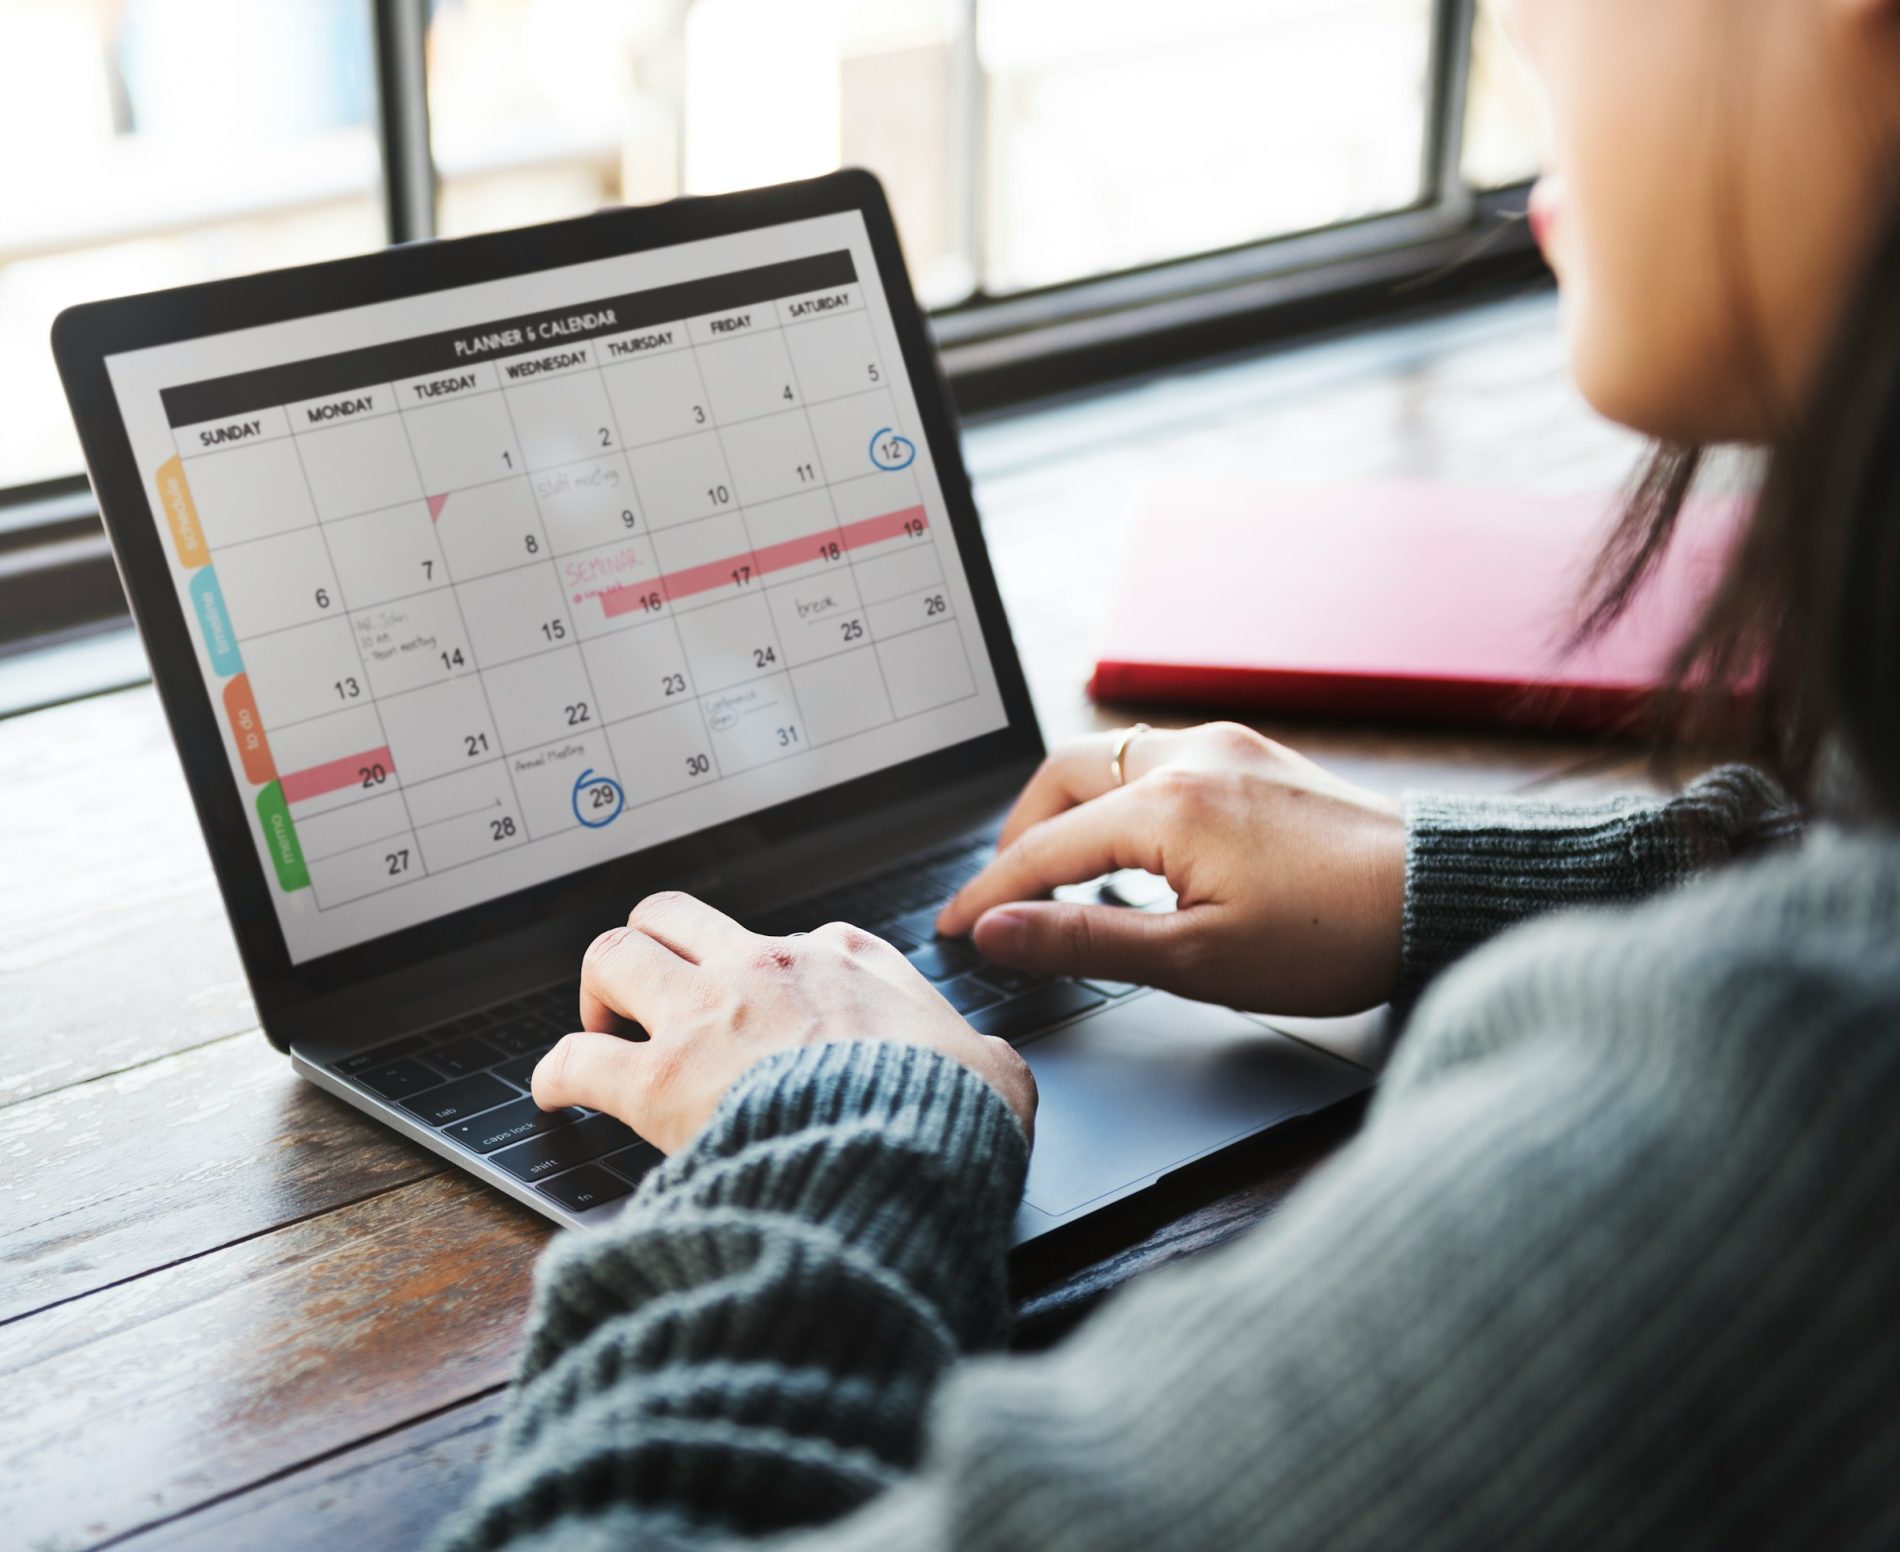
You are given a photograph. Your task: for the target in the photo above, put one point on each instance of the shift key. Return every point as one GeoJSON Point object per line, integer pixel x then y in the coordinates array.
{"type": "Point", "coordinates": [571, 1145]}
{"type": "Point", "coordinates": [511, 1123]}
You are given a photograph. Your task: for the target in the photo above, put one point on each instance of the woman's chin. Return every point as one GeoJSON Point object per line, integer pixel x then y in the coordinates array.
{"type": "Point", "coordinates": [1640, 396]}
{"type": "Point", "coordinates": [1614, 380]}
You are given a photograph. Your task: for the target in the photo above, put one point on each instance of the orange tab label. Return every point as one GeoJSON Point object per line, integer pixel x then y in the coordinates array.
{"type": "Point", "coordinates": [241, 708]}
{"type": "Point", "coordinates": [174, 495]}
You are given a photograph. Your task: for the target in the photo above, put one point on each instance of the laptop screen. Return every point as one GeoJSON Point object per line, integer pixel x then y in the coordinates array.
{"type": "Point", "coordinates": [498, 582]}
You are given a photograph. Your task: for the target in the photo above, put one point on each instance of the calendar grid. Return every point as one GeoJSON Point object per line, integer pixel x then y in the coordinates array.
{"type": "Point", "coordinates": [636, 717]}
{"type": "Point", "coordinates": [735, 684]}
{"type": "Point", "coordinates": [745, 527]}
{"type": "Point", "coordinates": [672, 617]}
{"type": "Point", "coordinates": [831, 500]}
{"type": "Point", "coordinates": [649, 802]}
{"type": "Point", "coordinates": [380, 840]}
{"type": "Point", "coordinates": [508, 479]}
{"type": "Point", "coordinates": [488, 706]}
{"type": "Point", "coordinates": [203, 454]}
{"type": "Point", "coordinates": [684, 605]}
{"type": "Point", "coordinates": [383, 732]}
{"type": "Point", "coordinates": [587, 590]}
{"type": "Point", "coordinates": [593, 696]}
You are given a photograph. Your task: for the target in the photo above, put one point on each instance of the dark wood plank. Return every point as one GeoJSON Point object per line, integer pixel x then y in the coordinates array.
{"type": "Point", "coordinates": [114, 947]}
{"type": "Point", "coordinates": [175, 1158]}
{"type": "Point", "coordinates": [389, 1493]}
{"type": "Point", "coordinates": [392, 1491]}
{"type": "Point", "coordinates": [189, 1384]}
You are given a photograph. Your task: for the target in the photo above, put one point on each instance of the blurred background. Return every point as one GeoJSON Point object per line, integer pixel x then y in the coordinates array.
{"type": "Point", "coordinates": [1035, 150]}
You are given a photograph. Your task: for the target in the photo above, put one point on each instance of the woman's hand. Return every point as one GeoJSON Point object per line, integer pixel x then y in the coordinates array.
{"type": "Point", "coordinates": [715, 999]}
{"type": "Point", "coordinates": [1291, 883]}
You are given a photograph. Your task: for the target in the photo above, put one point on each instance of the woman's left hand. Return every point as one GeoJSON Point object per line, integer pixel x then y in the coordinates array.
{"type": "Point", "coordinates": [715, 998]}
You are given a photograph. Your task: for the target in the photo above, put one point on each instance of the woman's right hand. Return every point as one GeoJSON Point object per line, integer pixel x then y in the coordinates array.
{"type": "Point", "coordinates": [1290, 882]}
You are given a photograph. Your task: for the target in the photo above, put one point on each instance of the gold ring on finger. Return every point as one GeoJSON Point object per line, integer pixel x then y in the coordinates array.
{"type": "Point", "coordinates": [1117, 770]}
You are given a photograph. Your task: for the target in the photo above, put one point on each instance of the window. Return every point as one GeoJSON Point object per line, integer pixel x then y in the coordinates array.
{"type": "Point", "coordinates": [170, 141]}
{"type": "Point", "coordinates": [1108, 168]}
{"type": "Point", "coordinates": [1123, 135]}
{"type": "Point", "coordinates": [539, 110]}
{"type": "Point", "coordinates": [1026, 142]}
{"type": "Point", "coordinates": [1501, 124]}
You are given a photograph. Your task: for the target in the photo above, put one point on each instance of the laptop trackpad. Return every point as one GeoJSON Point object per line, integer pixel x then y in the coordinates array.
{"type": "Point", "coordinates": [1149, 1084]}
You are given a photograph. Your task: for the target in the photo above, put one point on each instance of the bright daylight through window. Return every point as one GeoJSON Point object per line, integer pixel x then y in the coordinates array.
{"type": "Point", "coordinates": [1026, 143]}
{"type": "Point", "coordinates": [167, 141]}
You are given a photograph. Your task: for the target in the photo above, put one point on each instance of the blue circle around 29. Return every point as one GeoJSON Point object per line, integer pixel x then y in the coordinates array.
{"type": "Point", "coordinates": [891, 451]}
{"type": "Point", "coordinates": [602, 814]}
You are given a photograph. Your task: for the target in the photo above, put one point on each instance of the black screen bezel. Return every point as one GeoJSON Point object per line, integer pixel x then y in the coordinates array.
{"type": "Point", "coordinates": [84, 336]}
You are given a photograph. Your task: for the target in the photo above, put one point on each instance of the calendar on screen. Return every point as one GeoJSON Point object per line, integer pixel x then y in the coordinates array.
{"type": "Point", "coordinates": [498, 582]}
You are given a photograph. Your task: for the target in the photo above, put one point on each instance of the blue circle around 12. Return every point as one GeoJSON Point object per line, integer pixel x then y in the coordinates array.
{"type": "Point", "coordinates": [899, 452]}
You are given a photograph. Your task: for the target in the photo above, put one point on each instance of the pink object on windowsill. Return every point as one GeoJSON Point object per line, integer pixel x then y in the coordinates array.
{"type": "Point", "coordinates": [1402, 600]}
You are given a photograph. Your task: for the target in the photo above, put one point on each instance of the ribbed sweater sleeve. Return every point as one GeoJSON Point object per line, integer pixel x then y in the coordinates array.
{"type": "Point", "coordinates": [1476, 865]}
{"type": "Point", "coordinates": [754, 1342]}
{"type": "Point", "coordinates": [1609, 1265]}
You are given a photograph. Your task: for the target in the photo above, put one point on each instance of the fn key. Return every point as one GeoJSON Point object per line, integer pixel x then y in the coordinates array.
{"type": "Point", "coordinates": [588, 1186]}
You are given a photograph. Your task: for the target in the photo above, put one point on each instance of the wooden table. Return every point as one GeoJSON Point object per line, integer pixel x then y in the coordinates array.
{"type": "Point", "coordinates": [237, 1313]}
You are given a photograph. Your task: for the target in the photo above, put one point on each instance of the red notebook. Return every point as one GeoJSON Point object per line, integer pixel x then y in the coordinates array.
{"type": "Point", "coordinates": [1412, 601]}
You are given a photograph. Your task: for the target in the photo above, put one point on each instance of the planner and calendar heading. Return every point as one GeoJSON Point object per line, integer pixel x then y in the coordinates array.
{"type": "Point", "coordinates": [812, 282]}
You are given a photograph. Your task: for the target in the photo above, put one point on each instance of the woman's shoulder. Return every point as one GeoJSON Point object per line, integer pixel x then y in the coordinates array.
{"type": "Point", "coordinates": [1800, 947]}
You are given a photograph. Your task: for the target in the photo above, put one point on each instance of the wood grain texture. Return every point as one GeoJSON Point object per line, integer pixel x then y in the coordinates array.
{"type": "Point", "coordinates": [196, 1381]}
{"type": "Point", "coordinates": [175, 1158]}
{"type": "Point", "coordinates": [389, 1492]}
{"type": "Point", "coordinates": [114, 948]}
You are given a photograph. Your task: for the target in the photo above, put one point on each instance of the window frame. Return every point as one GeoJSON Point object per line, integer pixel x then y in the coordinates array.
{"type": "Point", "coordinates": [56, 574]}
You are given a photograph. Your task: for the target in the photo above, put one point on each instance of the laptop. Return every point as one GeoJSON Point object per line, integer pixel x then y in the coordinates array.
{"type": "Point", "coordinates": [492, 584]}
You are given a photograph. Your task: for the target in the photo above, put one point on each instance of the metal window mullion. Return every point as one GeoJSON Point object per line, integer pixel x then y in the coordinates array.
{"type": "Point", "coordinates": [1453, 26]}
{"type": "Point", "coordinates": [970, 147]}
{"type": "Point", "coordinates": [402, 96]}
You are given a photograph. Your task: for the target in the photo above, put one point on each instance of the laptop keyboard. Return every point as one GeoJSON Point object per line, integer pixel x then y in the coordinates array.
{"type": "Point", "coordinates": [470, 1078]}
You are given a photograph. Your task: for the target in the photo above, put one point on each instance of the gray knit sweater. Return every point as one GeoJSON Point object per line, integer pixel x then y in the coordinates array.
{"type": "Point", "coordinates": [1611, 1263]}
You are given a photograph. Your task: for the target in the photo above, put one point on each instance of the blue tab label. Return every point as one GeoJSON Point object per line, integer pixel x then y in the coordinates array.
{"type": "Point", "coordinates": [215, 623]}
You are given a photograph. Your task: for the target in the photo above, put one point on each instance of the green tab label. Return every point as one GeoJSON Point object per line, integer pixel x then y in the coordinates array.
{"type": "Point", "coordinates": [274, 813]}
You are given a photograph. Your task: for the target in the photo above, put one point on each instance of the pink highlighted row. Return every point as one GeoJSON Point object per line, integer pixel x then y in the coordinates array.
{"type": "Point", "coordinates": [368, 770]}
{"type": "Point", "coordinates": [373, 767]}
{"type": "Point", "coordinates": [687, 581]}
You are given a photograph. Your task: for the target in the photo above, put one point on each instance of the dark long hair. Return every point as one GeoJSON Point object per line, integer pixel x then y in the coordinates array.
{"type": "Point", "coordinates": [1797, 652]}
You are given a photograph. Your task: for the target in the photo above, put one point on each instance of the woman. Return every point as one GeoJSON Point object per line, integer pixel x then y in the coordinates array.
{"type": "Point", "coordinates": [1608, 1263]}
